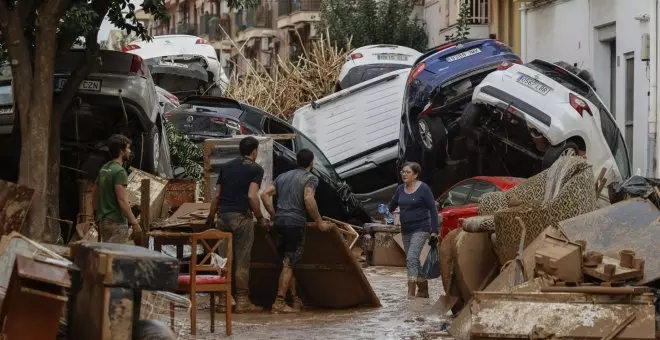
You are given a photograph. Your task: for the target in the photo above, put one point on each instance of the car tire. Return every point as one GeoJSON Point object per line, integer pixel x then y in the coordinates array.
{"type": "Point", "coordinates": [470, 118]}
{"type": "Point", "coordinates": [431, 133]}
{"type": "Point", "coordinates": [147, 150]}
{"type": "Point", "coordinates": [554, 152]}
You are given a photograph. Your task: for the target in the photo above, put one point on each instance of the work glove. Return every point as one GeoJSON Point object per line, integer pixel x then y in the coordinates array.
{"type": "Point", "coordinates": [433, 239]}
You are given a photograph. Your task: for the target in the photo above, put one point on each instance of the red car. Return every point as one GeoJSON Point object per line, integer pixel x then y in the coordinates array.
{"type": "Point", "coordinates": [460, 201]}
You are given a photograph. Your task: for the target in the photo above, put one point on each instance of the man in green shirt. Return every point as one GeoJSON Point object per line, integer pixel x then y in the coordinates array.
{"type": "Point", "coordinates": [111, 208]}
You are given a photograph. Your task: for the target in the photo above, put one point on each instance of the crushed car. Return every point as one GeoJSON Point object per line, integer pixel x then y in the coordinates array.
{"type": "Point", "coordinates": [439, 87]}
{"type": "Point", "coordinates": [539, 111]}
{"type": "Point", "coordinates": [357, 129]}
{"type": "Point", "coordinates": [206, 117]}
{"type": "Point", "coordinates": [182, 64]}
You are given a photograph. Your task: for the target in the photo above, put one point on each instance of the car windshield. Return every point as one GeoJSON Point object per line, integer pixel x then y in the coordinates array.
{"type": "Point", "coordinates": [560, 76]}
{"type": "Point", "coordinates": [204, 125]}
{"type": "Point", "coordinates": [361, 74]}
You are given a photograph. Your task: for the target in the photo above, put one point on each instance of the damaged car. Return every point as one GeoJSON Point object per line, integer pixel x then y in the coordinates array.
{"type": "Point", "coordinates": [539, 111]}
{"type": "Point", "coordinates": [182, 64]}
{"type": "Point", "coordinates": [439, 86]}
{"type": "Point", "coordinates": [206, 117]}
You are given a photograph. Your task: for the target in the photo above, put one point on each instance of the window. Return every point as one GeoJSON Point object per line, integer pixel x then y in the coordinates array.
{"type": "Point", "coordinates": [275, 127]}
{"type": "Point", "coordinates": [204, 125]}
{"type": "Point", "coordinates": [480, 188]}
{"type": "Point", "coordinates": [567, 80]}
{"type": "Point", "coordinates": [361, 74]}
{"type": "Point", "coordinates": [630, 100]}
{"type": "Point", "coordinates": [6, 95]}
{"type": "Point", "coordinates": [457, 195]}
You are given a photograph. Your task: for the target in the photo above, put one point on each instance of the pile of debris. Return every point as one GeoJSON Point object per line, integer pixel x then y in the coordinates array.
{"type": "Point", "coordinates": [295, 83]}
{"type": "Point", "coordinates": [558, 267]}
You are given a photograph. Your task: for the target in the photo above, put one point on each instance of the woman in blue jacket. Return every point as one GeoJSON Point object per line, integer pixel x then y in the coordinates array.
{"type": "Point", "coordinates": [419, 223]}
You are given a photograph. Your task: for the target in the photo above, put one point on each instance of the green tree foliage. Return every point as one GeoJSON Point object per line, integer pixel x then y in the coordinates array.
{"type": "Point", "coordinates": [462, 24]}
{"type": "Point", "coordinates": [368, 22]}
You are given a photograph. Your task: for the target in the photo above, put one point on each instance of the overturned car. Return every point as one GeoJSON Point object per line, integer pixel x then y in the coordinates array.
{"type": "Point", "coordinates": [538, 111]}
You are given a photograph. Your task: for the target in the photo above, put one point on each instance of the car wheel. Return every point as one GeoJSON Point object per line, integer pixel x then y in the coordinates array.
{"type": "Point", "coordinates": [567, 148]}
{"type": "Point", "coordinates": [470, 118]}
{"type": "Point", "coordinates": [431, 132]}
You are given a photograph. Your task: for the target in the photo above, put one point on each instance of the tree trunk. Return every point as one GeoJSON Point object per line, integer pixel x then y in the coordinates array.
{"type": "Point", "coordinates": [34, 170]}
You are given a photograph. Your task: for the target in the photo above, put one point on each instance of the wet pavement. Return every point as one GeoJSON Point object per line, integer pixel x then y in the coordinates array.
{"type": "Point", "coordinates": [398, 318]}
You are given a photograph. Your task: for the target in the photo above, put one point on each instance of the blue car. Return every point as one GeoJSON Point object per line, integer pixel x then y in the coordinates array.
{"type": "Point", "coordinates": [439, 87]}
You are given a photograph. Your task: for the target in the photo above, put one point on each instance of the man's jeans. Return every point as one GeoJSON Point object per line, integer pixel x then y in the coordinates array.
{"type": "Point", "coordinates": [413, 243]}
{"type": "Point", "coordinates": [241, 225]}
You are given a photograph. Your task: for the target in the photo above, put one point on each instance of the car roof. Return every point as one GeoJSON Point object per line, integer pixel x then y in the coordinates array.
{"type": "Point", "coordinates": [501, 181]}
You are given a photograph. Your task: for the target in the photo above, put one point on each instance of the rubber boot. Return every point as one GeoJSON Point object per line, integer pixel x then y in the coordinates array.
{"type": "Point", "coordinates": [422, 289]}
{"type": "Point", "coordinates": [243, 305]}
{"type": "Point", "coordinates": [285, 278]}
{"type": "Point", "coordinates": [412, 286]}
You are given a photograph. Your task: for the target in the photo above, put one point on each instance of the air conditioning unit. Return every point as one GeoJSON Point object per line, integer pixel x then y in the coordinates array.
{"type": "Point", "coordinates": [265, 44]}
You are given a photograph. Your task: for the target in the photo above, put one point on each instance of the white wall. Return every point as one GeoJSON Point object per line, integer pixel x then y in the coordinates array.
{"type": "Point", "coordinates": [570, 30]}
{"type": "Point", "coordinates": [439, 15]}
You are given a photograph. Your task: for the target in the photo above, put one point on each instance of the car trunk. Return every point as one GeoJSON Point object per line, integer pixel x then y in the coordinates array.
{"type": "Point", "coordinates": [182, 77]}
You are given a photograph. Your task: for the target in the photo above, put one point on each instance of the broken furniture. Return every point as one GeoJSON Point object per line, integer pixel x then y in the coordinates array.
{"type": "Point", "coordinates": [106, 295]}
{"type": "Point", "coordinates": [563, 316]}
{"type": "Point", "coordinates": [206, 275]}
{"type": "Point", "coordinates": [327, 275]}
{"type": "Point", "coordinates": [379, 240]}
{"type": "Point", "coordinates": [563, 191]}
{"type": "Point", "coordinates": [560, 258]}
{"type": "Point", "coordinates": [35, 283]}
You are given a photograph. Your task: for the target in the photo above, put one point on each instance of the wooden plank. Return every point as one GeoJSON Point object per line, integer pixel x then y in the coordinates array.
{"type": "Point", "coordinates": [145, 211]}
{"type": "Point", "coordinates": [39, 271]}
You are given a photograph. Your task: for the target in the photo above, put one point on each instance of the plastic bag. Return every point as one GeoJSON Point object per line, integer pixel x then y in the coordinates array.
{"type": "Point", "coordinates": [636, 186]}
{"type": "Point", "coordinates": [431, 268]}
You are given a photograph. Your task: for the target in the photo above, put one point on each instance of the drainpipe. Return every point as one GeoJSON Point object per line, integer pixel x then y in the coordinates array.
{"type": "Point", "coordinates": [653, 151]}
{"type": "Point", "coordinates": [523, 31]}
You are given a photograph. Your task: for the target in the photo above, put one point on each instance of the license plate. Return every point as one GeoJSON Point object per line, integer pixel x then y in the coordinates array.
{"type": "Point", "coordinates": [85, 85]}
{"type": "Point", "coordinates": [463, 55]}
{"type": "Point", "coordinates": [6, 110]}
{"type": "Point", "coordinates": [533, 84]}
{"type": "Point", "coordinates": [392, 57]}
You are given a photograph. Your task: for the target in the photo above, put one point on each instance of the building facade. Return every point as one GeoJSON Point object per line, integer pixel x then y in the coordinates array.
{"type": "Point", "coordinates": [441, 17]}
{"type": "Point", "coordinates": [605, 37]}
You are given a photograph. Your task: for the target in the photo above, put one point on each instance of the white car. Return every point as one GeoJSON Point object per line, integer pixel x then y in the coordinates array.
{"type": "Point", "coordinates": [179, 48]}
{"type": "Point", "coordinates": [368, 62]}
{"type": "Point", "coordinates": [543, 111]}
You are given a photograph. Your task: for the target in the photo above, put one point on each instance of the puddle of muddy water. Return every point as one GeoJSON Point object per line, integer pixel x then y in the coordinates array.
{"type": "Point", "coordinates": [398, 318]}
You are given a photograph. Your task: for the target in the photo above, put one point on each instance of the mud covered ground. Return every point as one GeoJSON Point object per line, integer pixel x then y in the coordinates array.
{"type": "Point", "coordinates": [398, 318]}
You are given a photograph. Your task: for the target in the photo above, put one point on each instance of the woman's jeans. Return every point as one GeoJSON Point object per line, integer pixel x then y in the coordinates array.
{"type": "Point", "coordinates": [413, 243]}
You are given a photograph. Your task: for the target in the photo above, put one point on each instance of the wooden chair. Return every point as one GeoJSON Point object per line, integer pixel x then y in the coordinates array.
{"type": "Point", "coordinates": [194, 283]}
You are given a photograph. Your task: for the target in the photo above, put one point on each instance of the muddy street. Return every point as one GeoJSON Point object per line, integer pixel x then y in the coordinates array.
{"type": "Point", "coordinates": [398, 318]}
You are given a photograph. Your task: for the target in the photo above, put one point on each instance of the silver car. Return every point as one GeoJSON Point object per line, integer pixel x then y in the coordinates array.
{"type": "Point", "coordinates": [6, 101]}
{"type": "Point", "coordinates": [119, 98]}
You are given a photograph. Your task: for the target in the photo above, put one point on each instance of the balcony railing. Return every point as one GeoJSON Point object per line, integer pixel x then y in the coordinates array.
{"type": "Point", "coordinates": [478, 12]}
{"type": "Point", "coordinates": [287, 7]}
{"type": "Point", "coordinates": [186, 28]}
{"type": "Point", "coordinates": [210, 25]}
{"type": "Point", "coordinates": [260, 17]}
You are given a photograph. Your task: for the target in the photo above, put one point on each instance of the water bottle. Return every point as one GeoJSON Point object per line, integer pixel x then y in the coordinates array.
{"type": "Point", "coordinates": [383, 209]}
